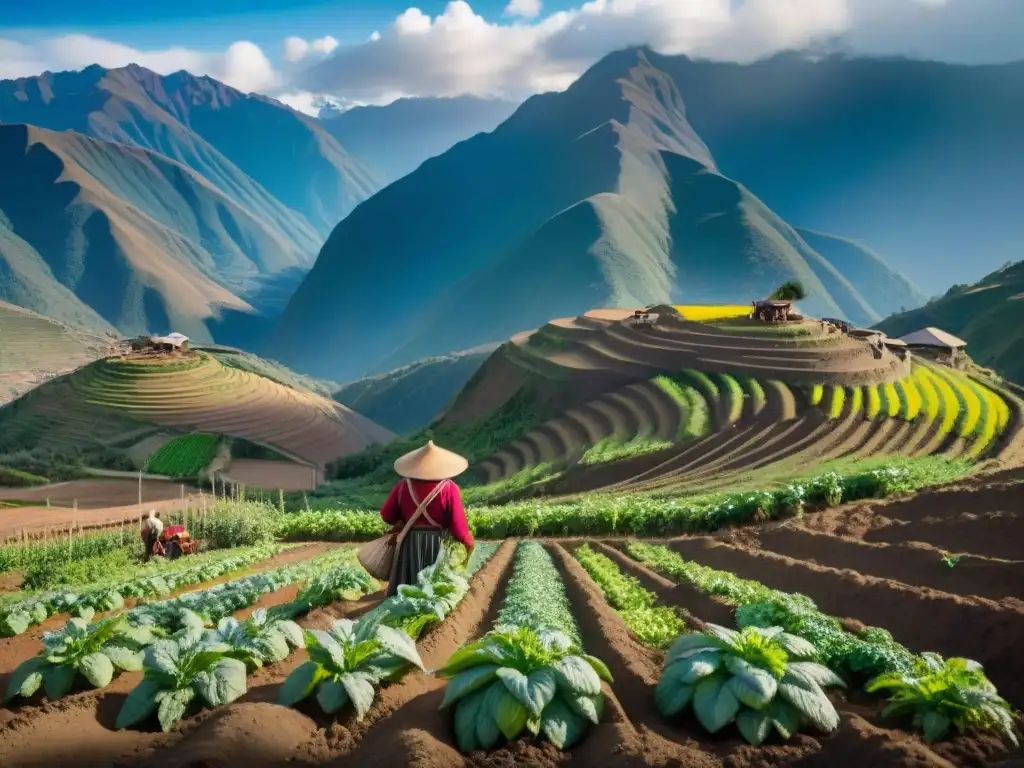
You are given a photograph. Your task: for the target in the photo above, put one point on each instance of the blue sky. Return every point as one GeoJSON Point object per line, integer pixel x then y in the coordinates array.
{"type": "Point", "coordinates": [214, 24]}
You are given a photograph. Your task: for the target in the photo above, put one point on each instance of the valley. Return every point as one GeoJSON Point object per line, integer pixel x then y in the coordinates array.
{"type": "Point", "coordinates": [728, 489]}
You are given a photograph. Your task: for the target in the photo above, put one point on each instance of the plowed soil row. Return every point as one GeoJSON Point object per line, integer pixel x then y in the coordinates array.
{"type": "Point", "coordinates": [864, 737]}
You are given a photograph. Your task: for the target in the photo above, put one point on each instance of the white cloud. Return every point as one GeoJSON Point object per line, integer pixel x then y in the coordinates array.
{"type": "Point", "coordinates": [243, 65]}
{"type": "Point", "coordinates": [460, 52]}
{"type": "Point", "coordinates": [295, 48]}
{"type": "Point", "coordinates": [528, 9]}
{"type": "Point", "coordinates": [324, 45]}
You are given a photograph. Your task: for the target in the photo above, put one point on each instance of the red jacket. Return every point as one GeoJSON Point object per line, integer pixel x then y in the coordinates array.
{"type": "Point", "coordinates": [446, 508]}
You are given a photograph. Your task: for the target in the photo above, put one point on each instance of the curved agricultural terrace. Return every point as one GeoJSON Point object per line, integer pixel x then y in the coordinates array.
{"type": "Point", "coordinates": [123, 400]}
{"type": "Point", "coordinates": [691, 407]}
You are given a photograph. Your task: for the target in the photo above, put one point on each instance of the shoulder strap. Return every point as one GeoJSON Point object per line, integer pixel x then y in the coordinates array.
{"type": "Point", "coordinates": [421, 506]}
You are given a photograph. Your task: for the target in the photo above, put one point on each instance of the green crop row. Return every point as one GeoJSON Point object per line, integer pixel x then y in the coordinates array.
{"type": "Point", "coordinates": [648, 515]}
{"type": "Point", "coordinates": [733, 394]}
{"type": "Point", "coordinates": [536, 595]}
{"type": "Point", "coordinates": [184, 456]}
{"type": "Point", "coordinates": [653, 624]}
{"type": "Point", "coordinates": [58, 551]}
{"type": "Point", "coordinates": [871, 651]}
{"type": "Point", "coordinates": [696, 415]}
{"type": "Point", "coordinates": [17, 617]}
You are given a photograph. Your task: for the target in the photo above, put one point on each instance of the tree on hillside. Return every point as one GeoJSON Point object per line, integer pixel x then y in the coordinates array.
{"type": "Point", "coordinates": [791, 290]}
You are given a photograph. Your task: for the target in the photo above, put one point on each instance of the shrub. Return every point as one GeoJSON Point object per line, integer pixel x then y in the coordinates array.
{"type": "Point", "coordinates": [759, 678]}
{"type": "Point", "coordinates": [941, 694]}
{"type": "Point", "coordinates": [17, 478]}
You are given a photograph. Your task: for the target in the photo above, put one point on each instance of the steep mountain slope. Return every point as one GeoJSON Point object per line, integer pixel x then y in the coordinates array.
{"type": "Point", "coordinates": [395, 139]}
{"type": "Point", "coordinates": [603, 195]}
{"type": "Point", "coordinates": [923, 160]}
{"type": "Point", "coordinates": [109, 236]}
{"type": "Point", "coordinates": [988, 315]}
{"type": "Point", "coordinates": [409, 398]}
{"type": "Point", "coordinates": [34, 348]}
{"type": "Point", "coordinates": [276, 162]}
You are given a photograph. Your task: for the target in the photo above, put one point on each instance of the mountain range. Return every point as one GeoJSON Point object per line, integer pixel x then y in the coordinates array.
{"type": "Point", "coordinates": [603, 195]}
{"type": "Point", "coordinates": [148, 202]}
{"type": "Point", "coordinates": [144, 202]}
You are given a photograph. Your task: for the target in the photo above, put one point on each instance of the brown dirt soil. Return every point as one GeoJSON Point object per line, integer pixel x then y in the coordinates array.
{"type": "Point", "coordinates": [101, 503]}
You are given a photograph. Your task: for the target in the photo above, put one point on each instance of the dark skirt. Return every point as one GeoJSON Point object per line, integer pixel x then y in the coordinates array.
{"type": "Point", "coordinates": [419, 550]}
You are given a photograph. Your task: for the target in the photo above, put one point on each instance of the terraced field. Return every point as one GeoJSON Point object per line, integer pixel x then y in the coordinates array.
{"type": "Point", "coordinates": [784, 403]}
{"type": "Point", "coordinates": [119, 401]}
{"type": "Point", "coordinates": [34, 348]}
{"type": "Point", "coordinates": [834, 579]}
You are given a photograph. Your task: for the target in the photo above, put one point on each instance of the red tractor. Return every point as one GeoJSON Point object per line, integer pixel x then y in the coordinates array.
{"type": "Point", "coordinates": [173, 542]}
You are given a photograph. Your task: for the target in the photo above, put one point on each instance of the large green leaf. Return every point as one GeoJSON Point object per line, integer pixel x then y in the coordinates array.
{"type": "Point", "coordinates": [399, 644]}
{"type": "Point", "coordinates": [222, 683]}
{"type": "Point", "coordinates": [533, 691]}
{"type": "Point", "coordinates": [481, 652]}
{"type": "Point", "coordinates": [58, 680]}
{"type": "Point", "coordinates": [714, 703]}
{"type": "Point", "coordinates": [465, 683]}
{"type": "Point", "coordinates": [510, 715]}
{"type": "Point", "coordinates": [575, 674]}
{"type": "Point", "coordinates": [723, 634]}
{"type": "Point", "coordinates": [300, 683]}
{"type": "Point", "coordinates": [124, 658]}
{"type": "Point", "coordinates": [687, 645]}
{"type": "Point", "coordinates": [466, 715]}
{"type": "Point", "coordinates": [27, 678]}
{"type": "Point", "coordinates": [600, 667]}
{"type": "Point", "coordinates": [588, 707]}
{"type": "Point", "coordinates": [14, 623]}
{"type": "Point", "coordinates": [690, 669]}
{"type": "Point", "coordinates": [752, 685]}
{"type": "Point", "coordinates": [784, 717]}
{"type": "Point", "coordinates": [97, 668]}
{"type": "Point", "coordinates": [487, 732]}
{"type": "Point", "coordinates": [671, 696]}
{"type": "Point", "coordinates": [812, 672]}
{"type": "Point", "coordinates": [754, 726]}
{"type": "Point", "coordinates": [935, 726]}
{"type": "Point", "coordinates": [795, 646]}
{"type": "Point", "coordinates": [172, 706]}
{"type": "Point", "coordinates": [139, 705]}
{"type": "Point", "coordinates": [291, 632]}
{"type": "Point", "coordinates": [561, 725]}
{"type": "Point", "coordinates": [163, 656]}
{"type": "Point", "coordinates": [810, 701]}
{"type": "Point", "coordinates": [273, 646]}
{"type": "Point", "coordinates": [360, 690]}
{"type": "Point", "coordinates": [331, 696]}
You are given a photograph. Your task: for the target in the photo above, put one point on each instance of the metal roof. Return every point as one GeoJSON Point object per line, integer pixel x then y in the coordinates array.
{"type": "Point", "coordinates": [933, 337]}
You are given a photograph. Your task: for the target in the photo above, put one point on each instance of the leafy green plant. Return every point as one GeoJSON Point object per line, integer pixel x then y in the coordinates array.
{"type": "Point", "coordinates": [258, 640]}
{"type": "Point", "coordinates": [758, 678]}
{"type": "Point", "coordinates": [178, 670]}
{"type": "Point", "coordinates": [791, 290]}
{"type": "Point", "coordinates": [438, 589]}
{"type": "Point", "coordinates": [652, 624]}
{"type": "Point", "coordinates": [95, 651]}
{"type": "Point", "coordinates": [518, 678]}
{"type": "Point", "coordinates": [942, 694]}
{"type": "Point", "coordinates": [348, 663]}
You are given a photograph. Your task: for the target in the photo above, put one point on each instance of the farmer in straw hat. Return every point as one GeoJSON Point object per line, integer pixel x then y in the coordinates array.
{"type": "Point", "coordinates": [426, 474]}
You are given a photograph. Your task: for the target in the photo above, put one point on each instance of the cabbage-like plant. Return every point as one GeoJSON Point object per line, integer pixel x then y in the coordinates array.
{"type": "Point", "coordinates": [95, 651]}
{"type": "Point", "coordinates": [347, 663]}
{"type": "Point", "coordinates": [259, 640]}
{"type": "Point", "coordinates": [177, 670]}
{"type": "Point", "coordinates": [438, 589]}
{"type": "Point", "coordinates": [759, 678]}
{"type": "Point", "coordinates": [345, 583]}
{"type": "Point", "coordinates": [518, 678]}
{"type": "Point", "coordinates": [941, 694]}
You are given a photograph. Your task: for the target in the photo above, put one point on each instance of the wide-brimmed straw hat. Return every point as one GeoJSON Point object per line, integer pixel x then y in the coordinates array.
{"type": "Point", "coordinates": [431, 462]}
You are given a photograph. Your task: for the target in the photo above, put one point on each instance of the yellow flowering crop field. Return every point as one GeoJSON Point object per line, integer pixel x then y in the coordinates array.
{"type": "Point", "coordinates": [702, 313]}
